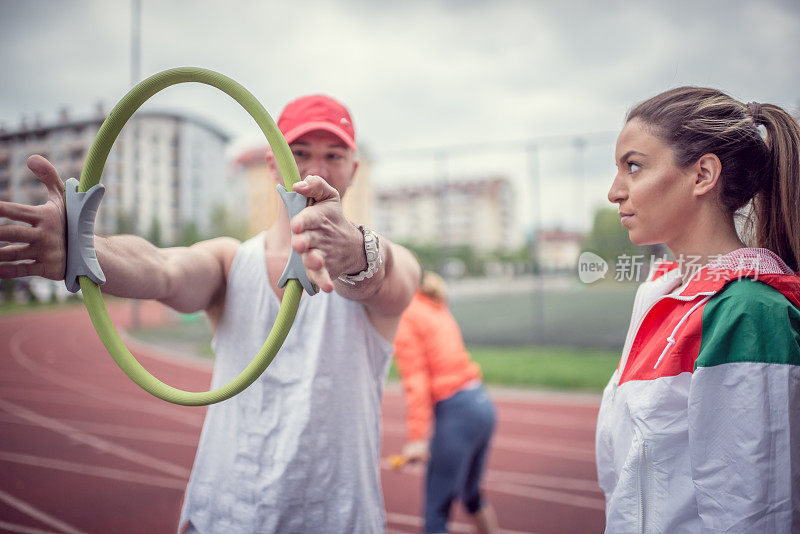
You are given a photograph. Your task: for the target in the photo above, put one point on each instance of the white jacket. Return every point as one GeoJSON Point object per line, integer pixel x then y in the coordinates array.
{"type": "Point", "coordinates": [699, 427]}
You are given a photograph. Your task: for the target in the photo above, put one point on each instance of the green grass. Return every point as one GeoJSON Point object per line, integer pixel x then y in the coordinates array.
{"type": "Point", "coordinates": [543, 367]}
{"type": "Point", "coordinates": [575, 369]}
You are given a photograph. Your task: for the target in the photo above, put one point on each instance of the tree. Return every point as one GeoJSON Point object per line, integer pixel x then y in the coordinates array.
{"type": "Point", "coordinates": [224, 224]}
{"type": "Point", "coordinates": [441, 259]}
{"type": "Point", "coordinates": [7, 289]}
{"type": "Point", "coordinates": [155, 232]}
{"type": "Point", "coordinates": [428, 255]}
{"type": "Point", "coordinates": [473, 263]}
{"type": "Point", "coordinates": [609, 239]}
{"type": "Point", "coordinates": [190, 234]}
{"type": "Point", "coordinates": [124, 222]}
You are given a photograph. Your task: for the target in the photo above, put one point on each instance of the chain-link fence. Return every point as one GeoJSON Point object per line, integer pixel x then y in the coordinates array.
{"type": "Point", "coordinates": [522, 287]}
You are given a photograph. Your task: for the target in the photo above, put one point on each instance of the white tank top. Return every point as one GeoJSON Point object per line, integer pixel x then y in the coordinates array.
{"type": "Point", "coordinates": [298, 450]}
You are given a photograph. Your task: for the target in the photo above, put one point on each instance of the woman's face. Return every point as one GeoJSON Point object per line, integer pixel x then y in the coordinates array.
{"type": "Point", "coordinates": [655, 197]}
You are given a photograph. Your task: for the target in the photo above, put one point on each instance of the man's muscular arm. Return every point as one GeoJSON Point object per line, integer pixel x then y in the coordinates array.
{"type": "Point", "coordinates": [187, 279]}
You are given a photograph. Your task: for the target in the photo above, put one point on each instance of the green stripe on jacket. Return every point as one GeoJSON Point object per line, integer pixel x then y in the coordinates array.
{"type": "Point", "coordinates": [749, 321]}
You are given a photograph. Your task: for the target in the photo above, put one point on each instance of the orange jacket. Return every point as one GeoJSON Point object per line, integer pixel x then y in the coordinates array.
{"type": "Point", "coordinates": [432, 360]}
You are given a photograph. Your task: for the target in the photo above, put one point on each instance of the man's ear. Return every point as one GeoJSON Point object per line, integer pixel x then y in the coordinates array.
{"type": "Point", "coordinates": [706, 174]}
{"type": "Point", "coordinates": [272, 166]}
{"type": "Point", "coordinates": [353, 176]}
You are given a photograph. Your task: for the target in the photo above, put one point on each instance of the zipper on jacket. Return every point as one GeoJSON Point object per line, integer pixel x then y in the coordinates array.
{"type": "Point", "coordinates": [671, 339]}
{"type": "Point", "coordinates": [627, 349]}
{"type": "Point", "coordinates": [644, 484]}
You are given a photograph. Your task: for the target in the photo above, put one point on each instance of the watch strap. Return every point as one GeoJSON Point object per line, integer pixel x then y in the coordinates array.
{"type": "Point", "coordinates": [374, 260]}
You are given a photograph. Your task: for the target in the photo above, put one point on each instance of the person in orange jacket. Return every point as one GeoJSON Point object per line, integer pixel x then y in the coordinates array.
{"type": "Point", "coordinates": [443, 384]}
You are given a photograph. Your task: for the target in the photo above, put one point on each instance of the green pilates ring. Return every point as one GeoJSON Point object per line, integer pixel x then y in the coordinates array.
{"type": "Point", "coordinates": [90, 176]}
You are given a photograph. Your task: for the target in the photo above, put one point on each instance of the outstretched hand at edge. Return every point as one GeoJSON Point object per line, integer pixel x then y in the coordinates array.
{"type": "Point", "coordinates": [38, 247]}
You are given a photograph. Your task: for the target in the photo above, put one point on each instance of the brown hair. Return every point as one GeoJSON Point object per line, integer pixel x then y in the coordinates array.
{"type": "Point", "coordinates": [433, 286]}
{"type": "Point", "coordinates": [695, 121]}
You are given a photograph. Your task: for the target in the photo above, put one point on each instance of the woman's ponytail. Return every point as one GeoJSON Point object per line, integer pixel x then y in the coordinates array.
{"type": "Point", "coordinates": [777, 206]}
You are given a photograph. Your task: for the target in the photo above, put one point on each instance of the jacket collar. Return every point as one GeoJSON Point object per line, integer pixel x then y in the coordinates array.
{"type": "Point", "coordinates": [756, 263]}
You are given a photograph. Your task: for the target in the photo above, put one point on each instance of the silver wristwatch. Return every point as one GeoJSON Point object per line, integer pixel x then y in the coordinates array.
{"type": "Point", "coordinates": [373, 251]}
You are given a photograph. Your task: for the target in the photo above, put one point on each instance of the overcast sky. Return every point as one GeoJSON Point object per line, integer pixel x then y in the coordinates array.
{"type": "Point", "coordinates": [414, 74]}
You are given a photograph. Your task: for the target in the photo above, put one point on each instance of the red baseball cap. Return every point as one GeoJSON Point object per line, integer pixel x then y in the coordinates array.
{"type": "Point", "coordinates": [317, 112]}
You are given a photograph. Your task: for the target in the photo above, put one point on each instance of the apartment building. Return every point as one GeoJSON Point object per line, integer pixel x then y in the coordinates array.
{"type": "Point", "coordinates": [478, 213]}
{"type": "Point", "coordinates": [165, 168]}
{"type": "Point", "coordinates": [258, 199]}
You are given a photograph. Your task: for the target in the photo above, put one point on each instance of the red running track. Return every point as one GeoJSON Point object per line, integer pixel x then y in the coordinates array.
{"type": "Point", "coordinates": [84, 450]}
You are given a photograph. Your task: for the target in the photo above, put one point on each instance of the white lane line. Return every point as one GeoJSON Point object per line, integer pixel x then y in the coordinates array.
{"type": "Point", "coordinates": [503, 396]}
{"type": "Point", "coordinates": [99, 444]}
{"type": "Point", "coordinates": [543, 481]}
{"type": "Point", "coordinates": [145, 405]}
{"type": "Point", "coordinates": [554, 448]}
{"type": "Point", "coordinates": [66, 398]}
{"type": "Point", "coordinates": [495, 476]}
{"type": "Point", "coordinates": [22, 529]}
{"type": "Point", "coordinates": [540, 418]}
{"type": "Point", "coordinates": [74, 399]}
{"type": "Point", "coordinates": [561, 422]}
{"type": "Point", "coordinates": [584, 424]}
{"type": "Point", "coordinates": [118, 431]}
{"type": "Point", "coordinates": [37, 514]}
{"type": "Point", "coordinates": [416, 521]}
{"type": "Point", "coordinates": [534, 493]}
{"type": "Point", "coordinates": [559, 497]}
{"type": "Point", "coordinates": [547, 495]}
{"type": "Point", "coordinates": [15, 377]}
{"type": "Point", "coordinates": [95, 471]}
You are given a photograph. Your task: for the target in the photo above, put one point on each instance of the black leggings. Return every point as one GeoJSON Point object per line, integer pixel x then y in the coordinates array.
{"type": "Point", "coordinates": [464, 425]}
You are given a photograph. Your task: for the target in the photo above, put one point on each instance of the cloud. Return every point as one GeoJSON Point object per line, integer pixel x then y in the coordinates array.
{"type": "Point", "coordinates": [416, 73]}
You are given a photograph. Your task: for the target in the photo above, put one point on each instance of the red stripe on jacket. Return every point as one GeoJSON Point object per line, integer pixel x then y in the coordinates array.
{"type": "Point", "coordinates": [659, 323]}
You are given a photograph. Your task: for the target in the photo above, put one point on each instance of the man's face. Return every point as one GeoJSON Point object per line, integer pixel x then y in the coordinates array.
{"type": "Point", "coordinates": [324, 154]}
